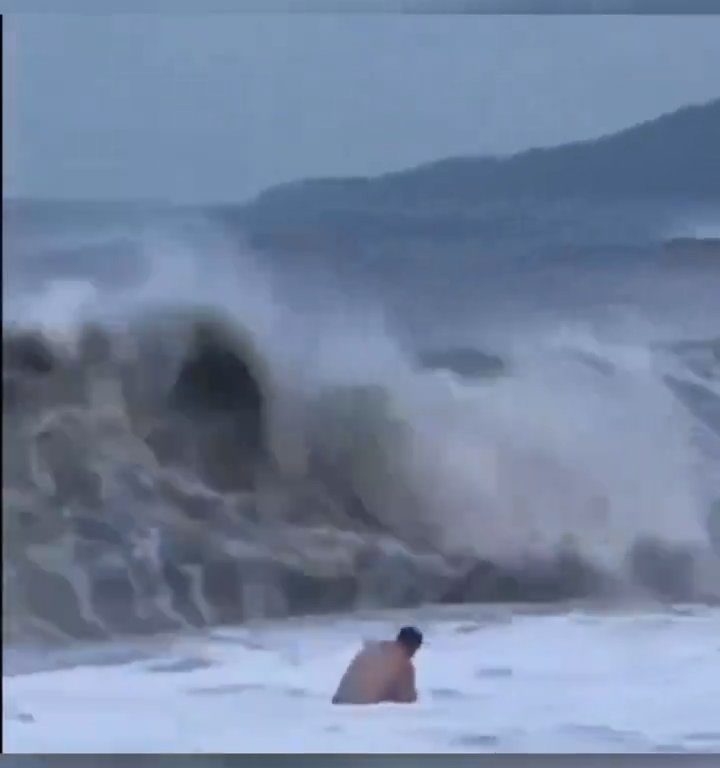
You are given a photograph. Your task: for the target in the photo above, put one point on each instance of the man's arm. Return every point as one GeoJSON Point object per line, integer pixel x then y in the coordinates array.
{"type": "Point", "coordinates": [404, 690]}
{"type": "Point", "coordinates": [349, 688]}
{"type": "Point", "coordinates": [343, 693]}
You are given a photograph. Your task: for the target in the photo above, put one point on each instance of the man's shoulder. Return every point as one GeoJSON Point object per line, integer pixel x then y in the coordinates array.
{"type": "Point", "coordinates": [376, 646]}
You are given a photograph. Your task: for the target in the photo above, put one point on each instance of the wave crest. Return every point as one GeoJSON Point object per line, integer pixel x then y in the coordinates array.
{"type": "Point", "coordinates": [181, 467]}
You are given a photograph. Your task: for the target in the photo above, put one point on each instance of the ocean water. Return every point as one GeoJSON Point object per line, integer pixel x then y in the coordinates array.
{"type": "Point", "coordinates": [489, 680]}
{"type": "Point", "coordinates": [223, 468]}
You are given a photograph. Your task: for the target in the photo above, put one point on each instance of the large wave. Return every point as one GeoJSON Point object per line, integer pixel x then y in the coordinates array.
{"type": "Point", "coordinates": [188, 449]}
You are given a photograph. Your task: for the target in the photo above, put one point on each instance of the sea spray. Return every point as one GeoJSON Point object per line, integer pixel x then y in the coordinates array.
{"type": "Point", "coordinates": [196, 449]}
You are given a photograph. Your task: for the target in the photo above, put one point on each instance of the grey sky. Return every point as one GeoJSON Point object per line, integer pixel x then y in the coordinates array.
{"type": "Point", "coordinates": [208, 108]}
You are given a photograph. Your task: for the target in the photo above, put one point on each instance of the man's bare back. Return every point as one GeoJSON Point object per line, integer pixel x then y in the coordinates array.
{"type": "Point", "coordinates": [382, 672]}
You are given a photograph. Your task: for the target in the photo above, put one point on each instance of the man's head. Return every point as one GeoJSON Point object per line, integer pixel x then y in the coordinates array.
{"type": "Point", "coordinates": [409, 639]}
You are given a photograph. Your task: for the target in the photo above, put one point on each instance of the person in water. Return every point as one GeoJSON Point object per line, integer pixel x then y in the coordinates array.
{"type": "Point", "coordinates": [382, 671]}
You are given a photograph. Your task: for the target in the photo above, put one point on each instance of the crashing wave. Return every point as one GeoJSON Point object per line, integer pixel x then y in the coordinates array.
{"type": "Point", "coordinates": [202, 455]}
{"type": "Point", "coordinates": [142, 492]}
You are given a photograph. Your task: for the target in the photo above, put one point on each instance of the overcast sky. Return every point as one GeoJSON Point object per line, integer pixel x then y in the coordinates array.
{"type": "Point", "coordinates": [211, 108]}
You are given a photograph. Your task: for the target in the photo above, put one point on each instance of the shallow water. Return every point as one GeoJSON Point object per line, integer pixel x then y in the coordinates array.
{"type": "Point", "coordinates": [227, 438]}
{"type": "Point", "coordinates": [489, 681]}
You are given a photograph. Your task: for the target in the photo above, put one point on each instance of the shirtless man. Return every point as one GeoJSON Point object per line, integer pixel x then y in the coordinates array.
{"type": "Point", "coordinates": [382, 672]}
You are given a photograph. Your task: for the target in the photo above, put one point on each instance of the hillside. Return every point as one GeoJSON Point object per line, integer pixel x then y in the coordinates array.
{"type": "Point", "coordinates": [676, 156]}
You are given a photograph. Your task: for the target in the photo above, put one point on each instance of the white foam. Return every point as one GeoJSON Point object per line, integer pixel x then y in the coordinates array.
{"type": "Point", "coordinates": [578, 682]}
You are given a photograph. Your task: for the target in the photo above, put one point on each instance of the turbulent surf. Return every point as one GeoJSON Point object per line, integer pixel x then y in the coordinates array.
{"type": "Point", "coordinates": [195, 434]}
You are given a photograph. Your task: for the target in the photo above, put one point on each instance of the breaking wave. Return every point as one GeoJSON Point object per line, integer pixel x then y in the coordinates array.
{"type": "Point", "coordinates": [190, 450]}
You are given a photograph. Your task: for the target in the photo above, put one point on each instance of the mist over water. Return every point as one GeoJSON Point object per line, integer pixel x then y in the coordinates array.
{"type": "Point", "coordinates": [195, 433]}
